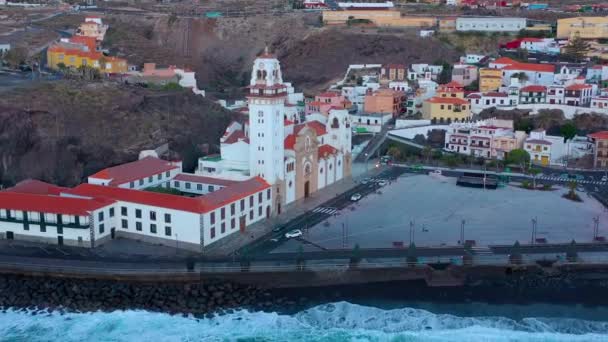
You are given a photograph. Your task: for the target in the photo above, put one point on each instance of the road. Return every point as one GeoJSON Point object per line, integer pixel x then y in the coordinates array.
{"type": "Point", "coordinates": [264, 245]}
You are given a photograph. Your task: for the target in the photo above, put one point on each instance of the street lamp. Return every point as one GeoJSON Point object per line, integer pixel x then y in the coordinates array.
{"type": "Point", "coordinates": [366, 160]}
{"type": "Point", "coordinates": [534, 224]}
{"type": "Point", "coordinates": [462, 232]}
{"type": "Point", "coordinates": [596, 227]}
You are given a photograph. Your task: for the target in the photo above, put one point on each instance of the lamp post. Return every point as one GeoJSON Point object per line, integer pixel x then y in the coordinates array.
{"type": "Point", "coordinates": [176, 244]}
{"type": "Point", "coordinates": [462, 232]}
{"type": "Point", "coordinates": [596, 227]}
{"type": "Point", "coordinates": [534, 224]}
{"type": "Point", "coordinates": [366, 160]}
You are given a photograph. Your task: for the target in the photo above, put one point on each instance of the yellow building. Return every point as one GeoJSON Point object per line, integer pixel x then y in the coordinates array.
{"type": "Point", "coordinates": [74, 56]}
{"type": "Point", "coordinates": [446, 109]}
{"type": "Point", "coordinates": [489, 79]}
{"type": "Point", "coordinates": [377, 17]}
{"type": "Point", "coordinates": [585, 27]}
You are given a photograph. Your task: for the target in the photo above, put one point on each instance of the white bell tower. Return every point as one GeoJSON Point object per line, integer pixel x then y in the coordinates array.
{"type": "Point", "coordinates": [266, 98]}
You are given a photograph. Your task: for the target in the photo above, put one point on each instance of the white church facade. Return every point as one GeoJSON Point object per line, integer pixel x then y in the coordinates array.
{"type": "Point", "coordinates": [296, 154]}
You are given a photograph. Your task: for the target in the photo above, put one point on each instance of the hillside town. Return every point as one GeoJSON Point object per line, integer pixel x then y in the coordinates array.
{"type": "Point", "coordinates": [286, 146]}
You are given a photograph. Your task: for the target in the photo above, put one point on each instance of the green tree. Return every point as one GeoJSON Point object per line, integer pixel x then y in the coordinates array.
{"type": "Point", "coordinates": [15, 56]}
{"type": "Point", "coordinates": [519, 157]}
{"type": "Point", "coordinates": [568, 130]}
{"type": "Point", "coordinates": [534, 172]}
{"type": "Point", "coordinates": [394, 152]}
{"type": "Point", "coordinates": [521, 76]}
{"type": "Point", "coordinates": [577, 49]}
{"type": "Point", "coordinates": [446, 73]}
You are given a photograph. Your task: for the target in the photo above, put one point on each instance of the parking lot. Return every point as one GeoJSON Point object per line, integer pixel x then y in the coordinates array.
{"type": "Point", "coordinates": [433, 210]}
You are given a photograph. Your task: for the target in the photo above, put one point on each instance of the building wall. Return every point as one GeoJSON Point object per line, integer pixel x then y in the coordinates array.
{"type": "Point", "coordinates": [585, 27]}
{"type": "Point", "coordinates": [448, 113]}
{"type": "Point", "coordinates": [306, 154]}
{"type": "Point", "coordinates": [489, 79]}
{"type": "Point", "coordinates": [159, 179]}
{"type": "Point", "coordinates": [184, 226]}
{"type": "Point", "coordinates": [290, 180]}
{"type": "Point", "coordinates": [194, 187]}
{"type": "Point", "coordinates": [378, 17]}
{"type": "Point", "coordinates": [44, 228]}
{"type": "Point", "coordinates": [253, 208]}
{"type": "Point", "coordinates": [490, 24]}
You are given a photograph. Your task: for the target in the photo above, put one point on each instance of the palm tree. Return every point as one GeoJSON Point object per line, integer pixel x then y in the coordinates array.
{"type": "Point", "coordinates": [534, 172]}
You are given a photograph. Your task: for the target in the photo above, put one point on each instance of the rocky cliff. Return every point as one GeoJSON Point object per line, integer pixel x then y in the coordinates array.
{"type": "Point", "coordinates": [64, 131]}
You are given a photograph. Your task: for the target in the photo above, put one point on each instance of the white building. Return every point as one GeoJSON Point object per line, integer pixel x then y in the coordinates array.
{"type": "Point", "coordinates": [297, 158]}
{"type": "Point", "coordinates": [597, 74]}
{"type": "Point", "coordinates": [490, 24]}
{"type": "Point", "coordinates": [540, 45]}
{"type": "Point", "coordinates": [579, 94]}
{"type": "Point", "coordinates": [471, 58]}
{"type": "Point", "coordinates": [144, 173]}
{"type": "Point", "coordinates": [599, 102]}
{"type": "Point", "coordinates": [556, 94]}
{"type": "Point", "coordinates": [371, 122]}
{"type": "Point", "coordinates": [423, 71]}
{"type": "Point", "coordinates": [492, 138]}
{"type": "Point", "coordinates": [481, 101]}
{"type": "Point", "coordinates": [90, 215]}
{"type": "Point", "coordinates": [552, 150]}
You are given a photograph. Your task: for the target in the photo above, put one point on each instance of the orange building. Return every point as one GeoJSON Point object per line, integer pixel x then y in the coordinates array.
{"type": "Point", "coordinates": [76, 55]}
{"type": "Point", "coordinates": [384, 101]}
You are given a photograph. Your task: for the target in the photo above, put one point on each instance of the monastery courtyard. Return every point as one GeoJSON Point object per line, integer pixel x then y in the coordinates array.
{"type": "Point", "coordinates": [437, 208]}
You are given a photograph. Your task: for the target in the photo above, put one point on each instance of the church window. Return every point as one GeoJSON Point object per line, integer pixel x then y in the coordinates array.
{"type": "Point", "coordinates": [335, 123]}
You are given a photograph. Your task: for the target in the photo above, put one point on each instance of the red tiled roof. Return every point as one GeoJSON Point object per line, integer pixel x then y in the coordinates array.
{"type": "Point", "coordinates": [495, 94]}
{"type": "Point", "coordinates": [76, 52]}
{"type": "Point", "coordinates": [33, 186]}
{"type": "Point", "coordinates": [452, 84]}
{"type": "Point", "coordinates": [146, 167]}
{"type": "Point", "coordinates": [50, 204]}
{"type": "Point", "coordinates": [474, 96]}
{"type": "Point", "coordinates": [448, 100]}
{"type": "Point", "coordinates": [90, 42]}
{"type": "Point", "coordinates": [531, 67]}
{"type": "Point", "coordinates": [236, 136]}
{"type": "Point", "coordinates": [290, 141]}
{"type": "Point", "coordinates": [328, 94]}
{"type": "Point", "coordinates": [156, 199]}
{"type": "Point", "coordinates": [538, 141]}
{"type": "Point", "coordinates": [534, 88]}
{"type": "Point", "coordinates": [316, 125]}
{"type": "Point", "coordinates": [603, 135]}
{"type": "Point", "coordinates": [325, 150]}
{"type": "Point", "coordinates": [202, 179]}
{"type": "Point", "coordinates": [531, 40]}
{"type": "Point", "coordinates": [505, 60]}
{"type": "Point", "coordinates": [579, 86]}
{"type": "Point", "coordinates": [233, 193]}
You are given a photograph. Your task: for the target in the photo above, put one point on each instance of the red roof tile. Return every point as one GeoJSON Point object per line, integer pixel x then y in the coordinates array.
{"type": "Point", "coordinates": [290, 142]}
{"type": "Point", "coordinates": [495, 94]}
{"type": "Point", "coordinates": [316, 125]}
{"type": "Point", "coordinates": [448, 100]}
{"type": "Point", "coordinates": [236, 136]}
{"type": "Point", "coordinates": [579, 86]}
{"type": "Point", "coordinates": [603, 135]}
{"type": "Point", "coordinates": [50, 204]}
{"type": "Point", "coordinates": [328, 94]}
{"type": "Point", "coordinates": [33, 186]}
{"type": "Point", "coordinates": [146, 167]}
{"type": "Point", "coordinates": [202, 179]}
{"type": "Point", "coordinates": [156, 199]}
{"type": "Point", "coordinates": [534, 88]}
{"type": "Point", "coordinates": [505, 60]}
{"type": "Point", "coordinates": [531, 67]}
{"type": "Point", "coordinates": [234, 192]}
{"type": "Point", "coordinates": [325, 150]}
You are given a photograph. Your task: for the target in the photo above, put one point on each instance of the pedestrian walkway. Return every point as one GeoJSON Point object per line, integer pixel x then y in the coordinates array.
{"type": "Point", "coordinates": [228, 245]}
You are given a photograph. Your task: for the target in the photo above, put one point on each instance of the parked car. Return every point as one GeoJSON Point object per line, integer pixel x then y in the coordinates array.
{"type": "Point", "coordinates": [355, 197]}
{"type": "Point", "coordinates": [365, 181]}
{"type": "Point", "coordinates": [293, 234]}
{"type": "Point", "coordinates": [274, 240]}
{"type": "Point", "coordinates": [382, 183]}
{"type": "Point", "coordinates": [604, 178]}
{"type": "Point", "coordinates": [277, 229]}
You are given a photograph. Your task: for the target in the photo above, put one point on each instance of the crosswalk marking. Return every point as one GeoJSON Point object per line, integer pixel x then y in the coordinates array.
{"type": "Point", "coordinates": [325, 210]}
{"type": "Point", "coordinates": [567, 180]}
{"type": "Point", "coordinates": [481, 250]}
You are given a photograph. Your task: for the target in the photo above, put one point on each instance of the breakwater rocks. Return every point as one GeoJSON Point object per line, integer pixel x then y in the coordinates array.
{"type": "Point", "coordinates": [103, 295]}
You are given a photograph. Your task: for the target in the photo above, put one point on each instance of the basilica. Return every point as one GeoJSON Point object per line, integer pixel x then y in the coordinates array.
{"type": "Point", "coordinates": [297, 152]}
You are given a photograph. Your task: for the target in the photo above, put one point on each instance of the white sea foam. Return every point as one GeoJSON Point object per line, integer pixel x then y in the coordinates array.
{"type": "Point", "coordinates": [330, 322]}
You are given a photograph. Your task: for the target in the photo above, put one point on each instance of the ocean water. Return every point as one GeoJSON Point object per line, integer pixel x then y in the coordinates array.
{"type": "Point", "coordinates": [340, 321]}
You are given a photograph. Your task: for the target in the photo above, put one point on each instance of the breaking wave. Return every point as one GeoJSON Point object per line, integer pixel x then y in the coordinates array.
{"type": "Point", "coordinates": [339, 321]}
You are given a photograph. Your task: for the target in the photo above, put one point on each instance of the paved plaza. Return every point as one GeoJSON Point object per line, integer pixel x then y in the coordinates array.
{"type": "Point", "coordinates": [437, 207]}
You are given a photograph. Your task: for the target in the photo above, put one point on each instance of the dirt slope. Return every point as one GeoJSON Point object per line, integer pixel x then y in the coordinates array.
{"type": "Point", "coordinates": [65, 131]}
